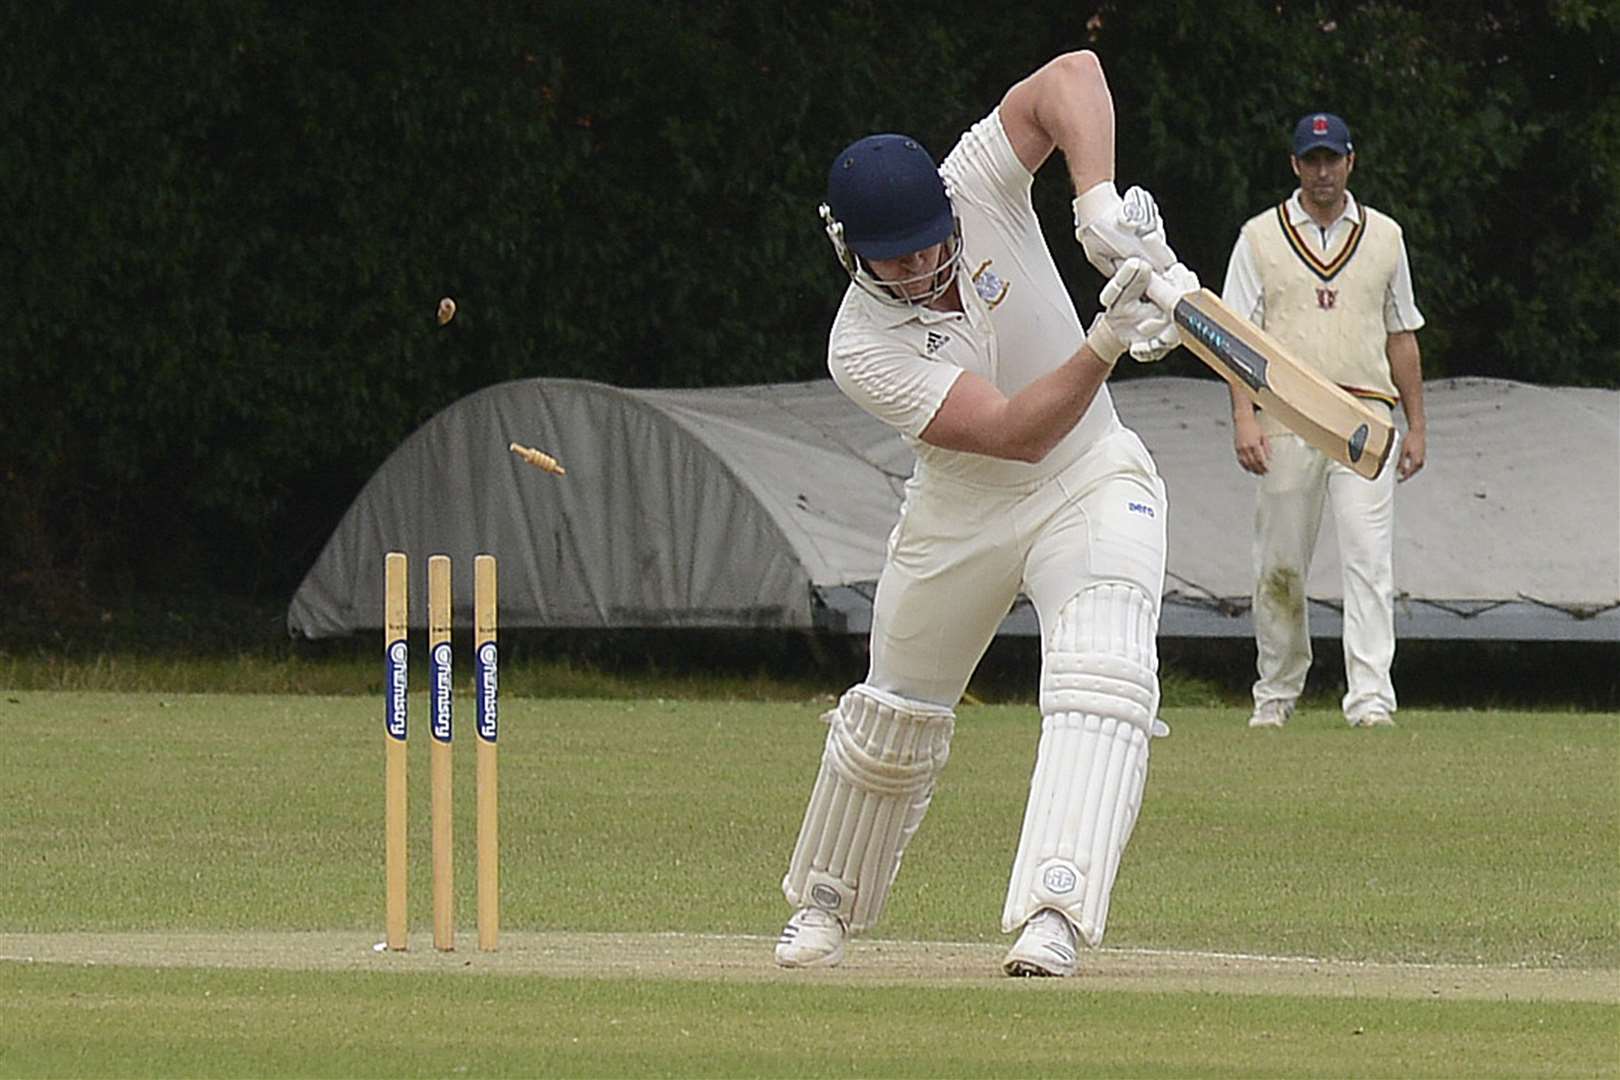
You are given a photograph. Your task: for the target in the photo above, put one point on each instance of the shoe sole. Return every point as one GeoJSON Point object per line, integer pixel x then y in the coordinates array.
{"type": "Point", "coordinates": [1036, 964]}
{"type": "Point", "coordinates": [1028, 969]}
{"type": "Point", "coordinates": [830, 960]}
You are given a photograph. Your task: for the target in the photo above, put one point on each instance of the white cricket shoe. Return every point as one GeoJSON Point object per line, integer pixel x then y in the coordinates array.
{"type": "Point", "coordinates": [812, 938]}
{"type": "Point", "coordinates": [1046, 947]}
{"type": "Point", "coordinates": [1376, 718]}
{"type": "Point", "coordinates": [1271, 714]}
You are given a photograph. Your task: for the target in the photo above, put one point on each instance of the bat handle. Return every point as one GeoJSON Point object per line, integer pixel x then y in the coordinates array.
{"type": "Point", "coordinates": [1161, 292]}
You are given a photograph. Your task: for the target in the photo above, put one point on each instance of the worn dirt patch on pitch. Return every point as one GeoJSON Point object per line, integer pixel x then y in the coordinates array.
{"type": "Point", "coordinates": [744, 958]}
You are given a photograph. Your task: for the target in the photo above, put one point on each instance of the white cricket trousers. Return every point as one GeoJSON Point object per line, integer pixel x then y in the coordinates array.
{"type": "Point", "coordinates": [961, 553]}
{"type": "Point", "coordinates": [1299, 482]}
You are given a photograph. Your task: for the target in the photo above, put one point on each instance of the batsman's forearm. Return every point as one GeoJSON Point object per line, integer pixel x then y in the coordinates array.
{"type": "Point", "coordinates": [1038, 417]}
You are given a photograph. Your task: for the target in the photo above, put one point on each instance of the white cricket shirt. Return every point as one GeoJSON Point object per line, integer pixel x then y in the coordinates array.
{"type": "Point", "coordinates": [1019, 323]}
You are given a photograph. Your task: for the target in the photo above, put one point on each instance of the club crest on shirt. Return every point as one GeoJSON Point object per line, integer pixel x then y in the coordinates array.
{"type": "Point", "coordinates": [988, 284]}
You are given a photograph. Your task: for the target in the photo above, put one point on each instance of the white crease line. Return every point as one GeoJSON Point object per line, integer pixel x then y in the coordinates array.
{"type": "Point", "coordinates": [1114, 950]}
{"type": "Point", "coordinates": [1110, 950]}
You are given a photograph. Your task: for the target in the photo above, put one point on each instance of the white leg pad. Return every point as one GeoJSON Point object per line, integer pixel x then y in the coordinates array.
{"type": "Point", "coordinates": [1099, 708]}
{"type": "Point", "coordinates": [882, 758]}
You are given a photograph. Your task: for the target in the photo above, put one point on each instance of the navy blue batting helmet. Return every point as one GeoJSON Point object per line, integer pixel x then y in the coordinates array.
{"type": "Point", "coordinates": [887, 194]}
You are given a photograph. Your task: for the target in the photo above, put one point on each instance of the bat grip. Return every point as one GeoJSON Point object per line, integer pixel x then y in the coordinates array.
{"type": "Point", "coordinates": [1161, 292]}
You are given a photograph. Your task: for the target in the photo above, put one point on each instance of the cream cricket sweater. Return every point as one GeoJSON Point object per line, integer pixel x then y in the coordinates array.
{"type": "Point", "coordinates": [1328, 310]}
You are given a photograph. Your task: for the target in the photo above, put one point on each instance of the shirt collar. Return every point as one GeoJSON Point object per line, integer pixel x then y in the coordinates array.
{"type": "Point", "coordinates": [888, 316]}
{"type": "Point", "coordinates": [1297, 214]}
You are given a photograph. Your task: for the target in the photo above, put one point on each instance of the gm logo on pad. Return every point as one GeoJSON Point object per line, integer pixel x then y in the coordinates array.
{"type": "Point", "coordinates": [825, 896]}
{"type": "Point", "coordinates": [1059, 879]}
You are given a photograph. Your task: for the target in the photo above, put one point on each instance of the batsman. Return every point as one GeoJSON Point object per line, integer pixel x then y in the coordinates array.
{"type": "Point", "coordinates": [957, 330]}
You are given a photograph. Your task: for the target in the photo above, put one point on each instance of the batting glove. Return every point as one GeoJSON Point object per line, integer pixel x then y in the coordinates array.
{"type": "Point", "coordinates": [1128, 320]}
{"type": "Point", "coordinates": [1111, 229]}
{"type": "Point", "coordinates": [1168, 336]}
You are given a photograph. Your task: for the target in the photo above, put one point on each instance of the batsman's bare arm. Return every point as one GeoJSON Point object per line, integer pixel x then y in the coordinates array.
{"type": "Point", "coordinates": [1066, 105]}
{"type": "Point", "coordinates": [976, 417]}
{"type": "Point", "coordinates": [1406, 371]}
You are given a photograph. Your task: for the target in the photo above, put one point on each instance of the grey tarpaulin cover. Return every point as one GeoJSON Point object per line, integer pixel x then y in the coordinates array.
{"type": "Point", "coordinates": [769, 506]}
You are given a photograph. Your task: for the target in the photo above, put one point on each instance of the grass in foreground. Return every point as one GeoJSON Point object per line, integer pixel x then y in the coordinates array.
{"type": "Point", "coordinates": [1458, 837]}
{"type": "Point", "coordinates": [225, 1024]}
{"type": "Point", "coordinates": [1463, 837]}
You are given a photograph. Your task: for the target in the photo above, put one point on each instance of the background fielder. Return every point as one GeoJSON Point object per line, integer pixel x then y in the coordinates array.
{"type": "Point", "coordinates": [958, 331]}
{"type": "Point", "coordinates": [1329, 278]}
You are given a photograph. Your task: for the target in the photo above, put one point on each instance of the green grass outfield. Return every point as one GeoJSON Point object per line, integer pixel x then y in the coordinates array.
{"type": "Point", "coordinates": [192, 885]}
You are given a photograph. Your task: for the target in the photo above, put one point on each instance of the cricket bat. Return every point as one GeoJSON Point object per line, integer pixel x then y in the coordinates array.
{"type": "Point", "coordinates": [1318, 411]}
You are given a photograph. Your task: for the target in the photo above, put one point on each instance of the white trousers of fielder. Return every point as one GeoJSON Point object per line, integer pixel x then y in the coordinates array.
{"type": "Point", "coordinates": [1300, 484]}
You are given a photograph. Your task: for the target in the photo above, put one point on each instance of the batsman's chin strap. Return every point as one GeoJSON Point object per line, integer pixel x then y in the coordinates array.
{"type": "Point", "coordinates": [893, 293]}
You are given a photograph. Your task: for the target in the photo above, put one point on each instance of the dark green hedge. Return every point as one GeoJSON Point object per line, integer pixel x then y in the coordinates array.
{"type": "Point", "coordinates": [231, 220]}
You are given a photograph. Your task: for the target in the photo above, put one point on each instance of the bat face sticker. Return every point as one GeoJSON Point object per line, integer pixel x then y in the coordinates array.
{"type": "Point", "coordinates": [1358, 442]}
